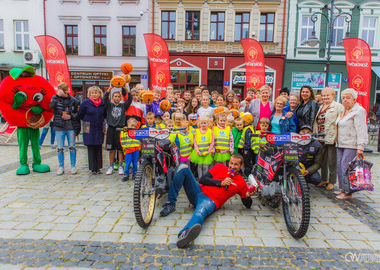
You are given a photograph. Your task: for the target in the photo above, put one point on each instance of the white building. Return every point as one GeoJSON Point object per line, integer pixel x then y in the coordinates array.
{"type": "Point", "coordinates": [98, 36]}
{"type": "Point", "coordinates": [20, 21]}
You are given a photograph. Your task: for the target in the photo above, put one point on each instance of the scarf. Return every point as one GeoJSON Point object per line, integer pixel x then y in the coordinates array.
{"type": "Point", "coordinates": [96, 102]}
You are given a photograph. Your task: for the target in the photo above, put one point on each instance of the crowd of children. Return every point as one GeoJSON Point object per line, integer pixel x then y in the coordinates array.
{"type": "Point", "coordinates": [212, 130]}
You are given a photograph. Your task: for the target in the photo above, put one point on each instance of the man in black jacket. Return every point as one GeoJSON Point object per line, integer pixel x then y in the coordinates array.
{"type": "Point", "coordinates": [214, 188]}
{"type": "Point", "coordinates": [311, 157]}
{"type": "Point", "coordinates": [64, 124]}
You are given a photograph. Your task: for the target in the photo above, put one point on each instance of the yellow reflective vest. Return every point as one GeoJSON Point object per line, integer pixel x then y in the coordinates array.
{"type": "Point", "coordinates": [185, 144]}
{"type": "Point", "coordinates": [255, 141]}
{"type": "Point", "coordinates": [222, 138]}
{"type": "Point", "coordinates": [203, 140]}
{"type": "Point", "coordinates": [127, 142]}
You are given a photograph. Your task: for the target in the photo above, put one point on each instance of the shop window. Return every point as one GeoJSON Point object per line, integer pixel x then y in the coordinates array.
{"type": "Point", "coordinates": [168, 25]}
{"type": "Point", "coordinates": [217, 26]}
{"type": "Point", "coordinates": [368, 30]}
{"type": "Point", "coordinates": [129, 40]}
{"type": "Point", "coordinates": [192, 25]}
{"type": "Point", "coordinates": [184, 79]}
{"type": "Point", "coordinates": [241, 26]}
{"type": "Point", "coordinates": [71, 38]}
{"type": "Point", "coordinates": [22, 35]}
{"type": "Point", "coordinates": [100, 40]}
{"type": "Point", "coordinates": [266, 27]}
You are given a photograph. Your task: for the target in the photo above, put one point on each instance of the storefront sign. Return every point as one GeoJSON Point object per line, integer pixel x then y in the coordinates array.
{"type": "Point", "coordinates": [240, 79]}
{"type": "Point", "coordinates": [316, 80]}
{"type": "Point", "coordinates": [90, 76]}
{"type": "Point", "coordinates": [226, 83]}
{"type": "Point", "coordinates": [144, 77]}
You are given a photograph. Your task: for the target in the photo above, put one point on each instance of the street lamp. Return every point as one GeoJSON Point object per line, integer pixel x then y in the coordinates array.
{"type": "Point", "coordinates": [314, 41]}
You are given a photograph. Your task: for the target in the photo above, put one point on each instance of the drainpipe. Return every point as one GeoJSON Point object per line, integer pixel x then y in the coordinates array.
{"type": "Point", "coordinates": [283, 28]}
{"type": "Point", "coordinates": [153, 16]}
{"type": "Point", "coordinates": [44, 7]}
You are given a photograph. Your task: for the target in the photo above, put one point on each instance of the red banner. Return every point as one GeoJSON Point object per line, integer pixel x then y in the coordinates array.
{"type": "Point", "coordinates": [254, 63]}
{"type": "Point", "coordinates": [358, 61]}
{"type": "Point", "coordinates": [55, 60]}
{"type": "Point", "coordinates": [158, 54]}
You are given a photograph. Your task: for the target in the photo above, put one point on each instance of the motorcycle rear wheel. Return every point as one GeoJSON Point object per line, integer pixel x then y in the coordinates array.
{"type": "Point", "coordinates": [144, 197]}
{"type": "Point", "coordinates": [297, 210]}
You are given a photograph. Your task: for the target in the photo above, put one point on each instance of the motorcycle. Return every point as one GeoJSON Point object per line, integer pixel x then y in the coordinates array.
{"type": "Point", "coordinates": [155, 172]}
{"type": "Point", "coordinates": [278, 177]}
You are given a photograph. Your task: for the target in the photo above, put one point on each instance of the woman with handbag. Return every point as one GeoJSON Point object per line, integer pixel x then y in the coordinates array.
{"type": "Point", "coordinates": [352, 138]}
{"type": "Point", "coordinates": [92, 112]}
{"type": "Point", "coordinates": [325, 124]}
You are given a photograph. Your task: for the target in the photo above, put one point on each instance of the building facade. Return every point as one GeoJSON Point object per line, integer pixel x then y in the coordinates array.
{"type": "Point", "coordinates": [306, 65]}
{"type": "Point", "coordinates": [203, 38]}
{"type": "Point", "coordinates": [98, 36]}
{"type": "Point", "coordinates": [20, 21]}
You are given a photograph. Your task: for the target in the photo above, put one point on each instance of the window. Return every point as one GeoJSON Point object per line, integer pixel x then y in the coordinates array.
{"type": "Point", "coordinates": [306, 28]}
{"type": "Point", "coordinates": [192, 25]}
{"type": "Point", "coordinates": [338, 32]}
{"type": "Point", "coordinates": [129, 40]}
{"type": "Point", "coordinates": [368, 31]}
{"type": "Point", "coordinates": [184, 79]}
{"type": "Point", "coordinates": [168, 24]}
{"type": "Point", "coordinates": [100, 40]}
{"type": "Point", "coordinates": [1, 35]}
{"type": "Point", "coordinates": [217, 26]}
{"type": "Point", "coordinates": [71, 34]}
{"type": "Point", "coordinates": [241, 26]}
{"type": "Point", "coordinates": [266, 27]}
{"type": "Point", "coordinates": [22, 35]}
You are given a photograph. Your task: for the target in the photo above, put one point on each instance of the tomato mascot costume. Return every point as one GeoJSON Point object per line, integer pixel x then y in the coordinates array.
{"type": "Point", "coordinates": [24, 103]}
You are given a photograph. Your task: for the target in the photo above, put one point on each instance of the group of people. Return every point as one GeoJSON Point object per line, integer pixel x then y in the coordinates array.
{"type": "Point", "coordinates": [215, 137]}
{"type": "Point", "coordinates": [215, 126]}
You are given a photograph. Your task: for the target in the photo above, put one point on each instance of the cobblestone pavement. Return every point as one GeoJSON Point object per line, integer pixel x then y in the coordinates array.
{"type": "Point", "coordinates": [87, 221]}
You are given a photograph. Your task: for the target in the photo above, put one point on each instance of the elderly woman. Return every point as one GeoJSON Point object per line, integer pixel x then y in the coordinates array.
{"type": "Point", "coordinates": [260, 108]}
{"type": "Point", "coordinates": [352, 138]}
{"type": "Point", "coordinates": [308, 107]}
{"type": "Point", "coordinates": [279, 123]}
{"type": "Point", "coordinates": [93, 112]}
{"type": "Point", "coordinates": [291, 108]}
{"type": "Point", "coordinates": [325, 123]}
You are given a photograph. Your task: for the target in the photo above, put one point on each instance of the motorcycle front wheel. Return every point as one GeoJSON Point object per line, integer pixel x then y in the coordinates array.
{"type": "Point", "coordinates": [296, 207]}
{"type": "Point", "coordinates": [144, 195]}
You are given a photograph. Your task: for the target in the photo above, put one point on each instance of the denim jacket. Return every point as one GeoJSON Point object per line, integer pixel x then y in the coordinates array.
{"type": "Point", "coordinates": [286, 124]}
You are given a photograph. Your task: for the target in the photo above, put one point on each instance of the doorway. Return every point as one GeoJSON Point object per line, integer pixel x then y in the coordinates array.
{"type": "Point", "coordinates": [215, 80]}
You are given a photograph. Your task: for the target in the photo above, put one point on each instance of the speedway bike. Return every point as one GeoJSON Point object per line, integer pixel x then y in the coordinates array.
{"type": "Point", "coordinates": [281, 179]}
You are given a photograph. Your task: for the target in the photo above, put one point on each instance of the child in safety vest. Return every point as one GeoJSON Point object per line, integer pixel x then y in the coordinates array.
{"type": "Point", "coordinates": [203, 146]}
{"type": "Point", "coordinates": [264, 126]}
{"type": "Point", "coordinates": [150, 118]}
{"type": "Point", "coordinates": [159, 123]}
{"type": "Point", "coordinates": [224, 142]}
{"type": "Point", "coordinates": [165, 117]}
{"type": "Point", "coordinates": [237, 131]}
{"type": "Point", "coordinates": [193, 118]}
{"type": "Point", "coordinates": [131, 149]}
{"type": "Point", "coordinates": [184, 140]}
{"type": "Point", "coordinates": [248, 144]}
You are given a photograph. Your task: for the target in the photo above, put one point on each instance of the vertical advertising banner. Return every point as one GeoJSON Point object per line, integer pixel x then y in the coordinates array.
{"type": "Point", "coordinates": [55, 60]}
{"type": "Point", "coordinates": [158, 55]}
{"type": "Point", "coordinates": [358, 61]}
{"type": "Point", "coordinates": [254, 63]}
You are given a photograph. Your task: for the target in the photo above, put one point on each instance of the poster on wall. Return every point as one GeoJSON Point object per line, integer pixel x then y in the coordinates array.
{"type": "Point", "coordinates": [315, 80]}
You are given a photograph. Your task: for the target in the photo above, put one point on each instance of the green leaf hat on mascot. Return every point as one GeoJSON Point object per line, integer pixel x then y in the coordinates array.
{"type": "Point", "coordinates": [24, 103]}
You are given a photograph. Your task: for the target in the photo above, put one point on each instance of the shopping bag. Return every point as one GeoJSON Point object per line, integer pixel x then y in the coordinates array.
{"type": "Point", "coordinates": [360, 174]}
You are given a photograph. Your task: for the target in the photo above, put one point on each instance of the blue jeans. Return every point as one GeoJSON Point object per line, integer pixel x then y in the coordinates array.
{"type": "Point", "coordinates": [70, 135]}
{"type": "Point", "coordinates": [44, 133]}
{"type": "Point", "coordinates": [131, 158]}
{"type": "Point", "coordinates": [204, 206]}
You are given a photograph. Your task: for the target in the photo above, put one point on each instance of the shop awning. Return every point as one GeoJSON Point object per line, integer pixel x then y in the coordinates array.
{"type": "Point", "coordinates": [376, 70]}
